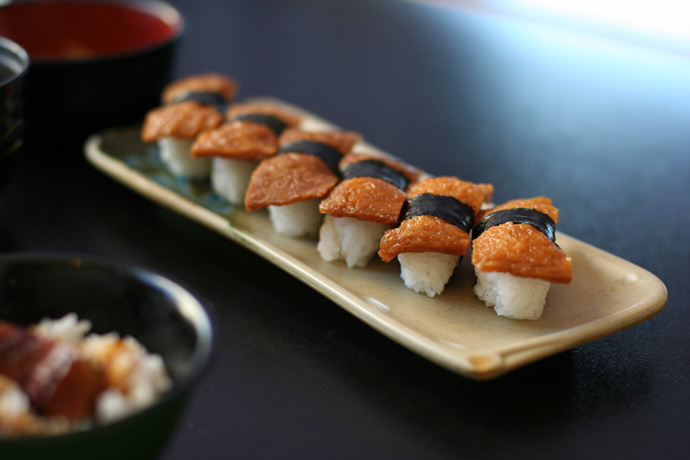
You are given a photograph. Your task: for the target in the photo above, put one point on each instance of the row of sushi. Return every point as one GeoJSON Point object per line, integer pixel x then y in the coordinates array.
{"type": "Point", "coordinates": [57, 377]}
{"type": "Point", "coordinates": [315, 182]}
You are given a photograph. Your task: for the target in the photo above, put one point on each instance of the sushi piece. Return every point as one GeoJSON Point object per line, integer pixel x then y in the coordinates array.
{"type": "Point", "coordinates": [362, 206]}
{"type": "Point", "coordinates": [190, 106]}
{"type": "Point", "coordinates": [516, 258]}
{"type": "Point", "coordinates": [236, 147]}
{"type": "Point", "coordinates": [175, 127]}
{"type": "Point", "coordinates": [433, 233]}
{"type": "Point", "coordinates": [214, 90]}
{"type": "Point", "coordinates": [292, 182]}
{"type": "Point", "coordinates": [51, 374]}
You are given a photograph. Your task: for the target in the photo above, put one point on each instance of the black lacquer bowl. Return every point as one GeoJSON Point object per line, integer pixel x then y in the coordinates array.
{"type": "Point", "coordinates": [161, 314]}
{"type": "Point", "coordinates": [95, 63]}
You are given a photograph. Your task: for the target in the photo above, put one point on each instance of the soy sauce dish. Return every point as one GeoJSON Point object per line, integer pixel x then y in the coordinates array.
{"type": "Point", "coordinates": [95, 63]}
{"type": "Point", "coordinates": [116, 300]}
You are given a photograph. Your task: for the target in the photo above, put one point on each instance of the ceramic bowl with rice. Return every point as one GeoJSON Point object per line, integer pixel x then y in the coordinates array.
{"type": "Point", "coordinates": [95, 356]}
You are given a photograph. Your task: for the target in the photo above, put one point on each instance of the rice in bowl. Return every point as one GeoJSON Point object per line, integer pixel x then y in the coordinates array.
{"type": "Point", "coordinates": [127, 377]}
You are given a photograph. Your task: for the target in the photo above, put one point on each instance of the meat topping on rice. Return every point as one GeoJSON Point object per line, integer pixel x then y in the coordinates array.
{"type": "Point", "coordinates": [225, 87]}
{"type": "Point", "coordinates": [521, 249]}
{"type": "Point", "coordinates": [430, 233]}
{"type": "Point", "coordinates": [184, 120]}
{"type": "Point", "coordinates": [55, 379]}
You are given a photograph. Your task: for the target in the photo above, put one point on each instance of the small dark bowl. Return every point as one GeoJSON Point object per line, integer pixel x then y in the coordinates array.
{"type": "Point", "coordinates": [14, 64]}
{"type": "Point", "coordinates": [165, 317]}
{"type": "Point", "coordinates": [95, 63]}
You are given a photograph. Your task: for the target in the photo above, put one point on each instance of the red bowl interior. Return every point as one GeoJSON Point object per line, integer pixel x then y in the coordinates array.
{"type": "Point", "coordinates": [78, 30]}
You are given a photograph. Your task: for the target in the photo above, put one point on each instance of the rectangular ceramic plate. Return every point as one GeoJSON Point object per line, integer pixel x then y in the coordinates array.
{"type": "Point", "coordinates": [454, 329]}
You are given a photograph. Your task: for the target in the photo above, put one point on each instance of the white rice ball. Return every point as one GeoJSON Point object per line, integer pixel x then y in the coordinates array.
{"type": "Point", "coordinates": [427, 272]}
{"type": "Point", "coordinates": [230, 178]}
{"type": "Point", "coordinates": [511, 296]}
{"type": "Point", "coordinates": [175, 153]}
{"type": "Point", "coordinates": [351, 239]}
{"type": "Point", "coordinates": [297, 219]}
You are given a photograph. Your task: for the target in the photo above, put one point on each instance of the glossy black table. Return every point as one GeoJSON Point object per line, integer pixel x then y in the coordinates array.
{"type": "Point", "coordinates": [601, 127]}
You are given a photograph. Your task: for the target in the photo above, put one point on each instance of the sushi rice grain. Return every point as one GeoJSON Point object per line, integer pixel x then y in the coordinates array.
{"type": "Point", "coordinates": [230, 178]}
{"type": "Point", "coordinates": [511, 296]}
{"type": "Point", "coordinates": [427, 272]}
{"type": "Point", "coordinates": [300, 219]}
{"type": "Point", "coordinates": [175, 153]}
{"type": "Point", "coordinates": [351, 239]}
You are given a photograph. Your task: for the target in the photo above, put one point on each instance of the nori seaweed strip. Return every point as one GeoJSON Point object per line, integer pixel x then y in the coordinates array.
{"type": "Point", "coordinates": [329, 155]}
{"type": "Point", "coordinates": [209, 98]}
{"type": "Point", "coordinates": [446, 207]}
{"type": "Point", "coordinates": [275, 124]}
{"type": "Point", "coordinates": [377, 169]}
{"type": "Point", "coordinates": [539, 220]}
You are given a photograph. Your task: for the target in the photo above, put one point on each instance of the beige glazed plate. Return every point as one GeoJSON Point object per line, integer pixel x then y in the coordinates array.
{"type": "Point", "coordinates": [455, 329]}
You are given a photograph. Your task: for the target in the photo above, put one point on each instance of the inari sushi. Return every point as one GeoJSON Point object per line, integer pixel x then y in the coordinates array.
{"type": "Point", "coordinates": [190, 106]}
{"type": "Point", "coordinates": [516, 258]}
{"type": "Point", "coordinates": [362, 206]}
{"type": "Point", "coordinates": [292, 182]}
{"type": "Point", "coordinates": [433, 233]}
{"type": "Point", "coordinates": [236, 147]}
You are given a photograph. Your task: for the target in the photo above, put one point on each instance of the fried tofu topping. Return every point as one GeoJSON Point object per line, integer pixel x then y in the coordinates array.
{"type": "Point", "coordinates": [213, 83]}
{"type": "Point", "coordinates": [343, 141]}
{"type": "Point", "coordinates": [184, 120]}
{"type": "Point", "coordinates": [428, 233]}
{"type": "Point", "coordinates": [291, 176]}
{"type": "Point", "coordinates": [289, 118]}
{"type": "Point", "coordinates": [240, 140]}
{"type": "Point", "coordinates": [521, 249]}
{"type": "Point", "coordinates": [365, 198]}
{"type": "Point", "coordinates": [288, 178]}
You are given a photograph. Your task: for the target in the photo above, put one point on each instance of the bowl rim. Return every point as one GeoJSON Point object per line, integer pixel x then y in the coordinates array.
{"type": "Point", "coordinates": [204, 326]}
{"type": "Point", "coordinates": [14, 49]}
{"type": "Point", "coordinates": [160, 9]}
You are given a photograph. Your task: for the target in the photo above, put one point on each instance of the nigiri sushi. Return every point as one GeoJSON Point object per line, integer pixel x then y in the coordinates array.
{"type": "Point", "coordinates": [292, 182]}
{"type": "Point", "coordinates": [236, 147]}
{"type": "Point", "coordinates": [362, 206]}
{"type": "Point", "coordinates": [190, 106]}
{"type": "Point", "coordinates": [175, 127]}
{"type": "Point", "coordinates": [433, 233]}
{"type": "Point", "coordinates": [516, 258]}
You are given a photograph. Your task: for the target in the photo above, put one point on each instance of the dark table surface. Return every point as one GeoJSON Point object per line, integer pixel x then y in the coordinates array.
{"type": "Point", "coordinates": [602, 127]}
